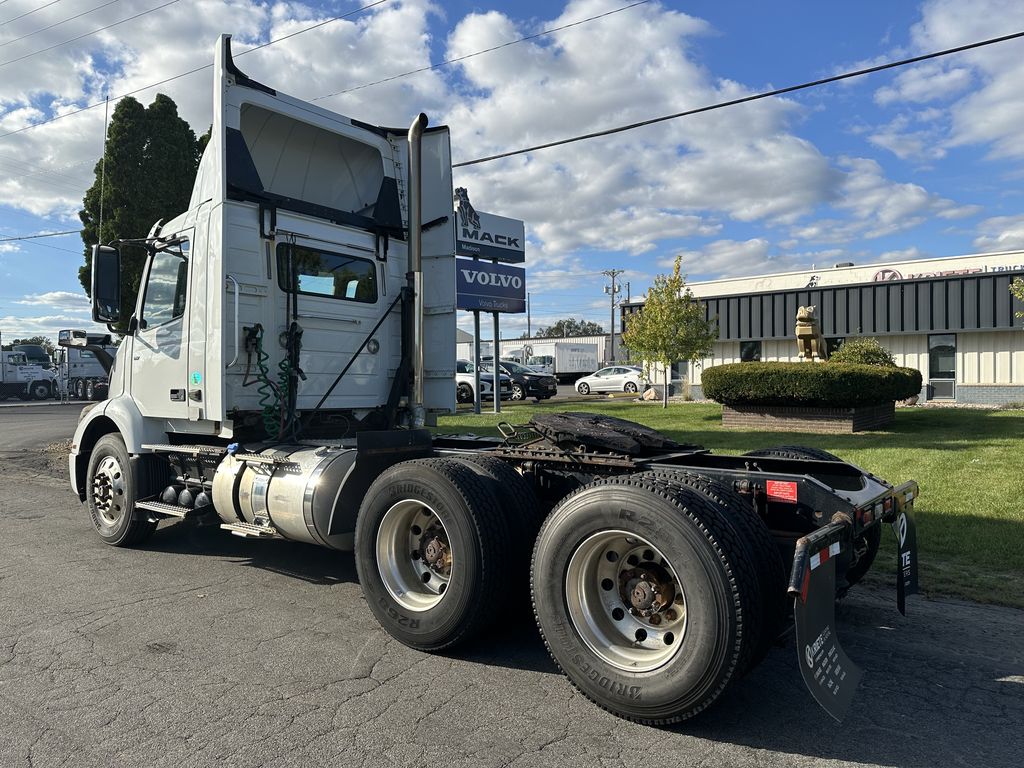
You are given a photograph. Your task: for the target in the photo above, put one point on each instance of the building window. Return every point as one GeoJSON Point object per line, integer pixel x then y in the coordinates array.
{"type": "Point", "coordinates": [321, 273]}
{"type": "Point", "coordinates": [834, 344]}
{"type": "Point", "coordinates": [750, 351]}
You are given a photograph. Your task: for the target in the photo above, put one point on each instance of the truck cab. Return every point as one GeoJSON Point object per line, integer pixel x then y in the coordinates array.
{"type": "Point", "coordinates": [288, 268]}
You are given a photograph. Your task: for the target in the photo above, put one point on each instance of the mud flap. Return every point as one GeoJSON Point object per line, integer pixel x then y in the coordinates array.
{"type": "Point", "coordinates": [827, 671]}
{"type": "Point", "coordinates": [906, 564]}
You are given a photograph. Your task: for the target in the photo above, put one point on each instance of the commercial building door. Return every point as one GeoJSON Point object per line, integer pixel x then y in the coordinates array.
{"type": "Point", "coordinates": [942, 366]}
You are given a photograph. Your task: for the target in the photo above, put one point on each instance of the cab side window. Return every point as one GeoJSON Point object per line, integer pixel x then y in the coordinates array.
{"type": "Point", "coordinates": [166, 287]}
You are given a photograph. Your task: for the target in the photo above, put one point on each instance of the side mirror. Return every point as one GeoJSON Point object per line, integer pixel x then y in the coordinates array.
{"type": "Point", "coordinates": [106, 284]}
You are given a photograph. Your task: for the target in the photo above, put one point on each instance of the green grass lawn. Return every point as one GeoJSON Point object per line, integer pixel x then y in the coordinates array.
{"type": "Point", "coordinates": [968, 463]}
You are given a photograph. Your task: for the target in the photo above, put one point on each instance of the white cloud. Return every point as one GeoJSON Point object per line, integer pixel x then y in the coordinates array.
{"type": "Point", "coordinates": [1001, 233]}
{"type": "Point", "coordinates": [60, 299]}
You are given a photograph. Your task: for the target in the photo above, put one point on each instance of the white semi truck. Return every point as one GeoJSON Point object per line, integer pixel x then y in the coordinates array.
{"type": "Point", "coordinates": [78, 373]}
{"type": "Point", "coordinates": [22, 379]}
{"type": "Point", "coordinates": [294, 334]}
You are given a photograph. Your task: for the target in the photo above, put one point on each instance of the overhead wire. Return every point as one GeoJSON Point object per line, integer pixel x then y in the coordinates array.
{"type": "Point", "coordinates": [61, 116]}
{"type": "Point", "coordinates": [58, 23]}
{"type": "Point", "coordinates": [29, 13]}
{"type": "Point", "coordinates": [36, 237]}
{"type": "Point", "coordinates": [87, 34]}
{"type": "Point", "coordinates": [743, 100]}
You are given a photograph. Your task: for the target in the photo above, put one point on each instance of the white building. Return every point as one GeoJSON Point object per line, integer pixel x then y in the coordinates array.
{"type": "Point", "coordinates": [951, 318]}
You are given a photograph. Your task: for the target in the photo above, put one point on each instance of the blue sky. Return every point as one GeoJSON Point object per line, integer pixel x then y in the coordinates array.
{"type": "Point", "coordinates": [923, 161]}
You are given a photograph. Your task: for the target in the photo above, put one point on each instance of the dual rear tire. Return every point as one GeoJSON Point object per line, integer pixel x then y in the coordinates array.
{"type": "Point", "coordinates": [646, 588]}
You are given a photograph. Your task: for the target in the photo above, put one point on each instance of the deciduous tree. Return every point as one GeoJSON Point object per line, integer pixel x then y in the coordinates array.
{"type": "Point", "coordinates": [670, 327]}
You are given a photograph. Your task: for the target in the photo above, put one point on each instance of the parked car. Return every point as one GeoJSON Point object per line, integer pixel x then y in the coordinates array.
{"type": "Point", "coordinates": [616, 378]}
{"type": "Point", "coordinates": [465, 381]}
{"type": "Point", "coordinates": [526, 382]}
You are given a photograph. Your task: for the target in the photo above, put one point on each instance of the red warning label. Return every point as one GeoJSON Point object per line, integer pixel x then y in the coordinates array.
{"type": "Point", "coordinates": [782, 490]}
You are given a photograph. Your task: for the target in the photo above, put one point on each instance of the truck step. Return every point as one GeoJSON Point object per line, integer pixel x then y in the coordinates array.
{"type": "Point", "coordinates": [247, 530]}
{"type": "Point", "coordinates": [217, 450]}
{"type": "Point", "coordinates": [169, 510]}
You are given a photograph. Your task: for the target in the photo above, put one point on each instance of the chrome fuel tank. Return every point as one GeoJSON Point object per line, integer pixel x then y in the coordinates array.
{"type": "Point", "coordinates": [296, 494]}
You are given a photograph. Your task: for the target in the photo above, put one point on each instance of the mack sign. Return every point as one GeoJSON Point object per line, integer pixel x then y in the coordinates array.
{"type": "Point", "coordinates": [485, 235]}
{"type": "Point", "coordinates": [481, 285]}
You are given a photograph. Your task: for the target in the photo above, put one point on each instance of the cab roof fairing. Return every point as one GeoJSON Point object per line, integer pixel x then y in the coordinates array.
{"type": "Point", "coordinates": [308, 159]}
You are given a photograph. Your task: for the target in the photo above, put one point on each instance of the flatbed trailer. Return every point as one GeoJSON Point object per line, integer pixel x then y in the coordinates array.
{"type": "Point", "coordinates": [273, 380]}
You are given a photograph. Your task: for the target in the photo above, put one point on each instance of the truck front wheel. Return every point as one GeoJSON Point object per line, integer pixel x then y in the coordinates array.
{"type": "Point", "coordinates": [431, 549]}
{"type": "Point", "coordinates": [111, 492]}
{"type": "Point", "coordinates": [40, 390]}
{"type": "Point", "coordinates": [643, 596]}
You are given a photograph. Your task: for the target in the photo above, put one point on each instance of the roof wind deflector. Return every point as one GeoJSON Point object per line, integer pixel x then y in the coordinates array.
{"type": "Point", "coordinates": [240, 77]}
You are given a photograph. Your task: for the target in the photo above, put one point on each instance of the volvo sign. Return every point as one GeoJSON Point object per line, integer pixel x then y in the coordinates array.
{"type": "Point", "coordinates": [485, 235]}
{"type": "Point", "coordinates": [481, 285]}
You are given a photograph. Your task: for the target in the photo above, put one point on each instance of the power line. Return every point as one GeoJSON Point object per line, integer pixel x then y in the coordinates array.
{"type": "Point", "coordinates": [55, 118]}
{"type": "Point", "coordinates": [87, 34]}
{"type": "Point", "coordinates": [57, 24]}
{"type": "Point", "coordinates": [29, 13]}
{"type": "Point", "coordinates": [36, 237]}
{"type": "Point", "coordinates": [744, 100]}
{"type": "Point", "coordinates": [446, 62]}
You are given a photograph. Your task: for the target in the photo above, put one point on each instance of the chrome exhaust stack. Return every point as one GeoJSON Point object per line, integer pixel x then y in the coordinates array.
{"type": "Point", "coordinates": [415, 186]}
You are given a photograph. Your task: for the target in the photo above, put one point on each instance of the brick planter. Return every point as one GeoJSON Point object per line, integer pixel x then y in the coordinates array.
{"type": "Point", "coordinates": [785, 418]}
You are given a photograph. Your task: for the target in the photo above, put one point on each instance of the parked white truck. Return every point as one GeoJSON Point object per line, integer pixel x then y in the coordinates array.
{"type": "Point", "coordinates": [274, 378]}
{"type": "Point", "coordinates": [565, 360]}
{"type": "Point", "coordinates": [78, 373]}
{"type": "Point", "coordinates": [22, 379]}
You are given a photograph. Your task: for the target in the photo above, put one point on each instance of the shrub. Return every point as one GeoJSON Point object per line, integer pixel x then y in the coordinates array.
{"type": "Point", "coordinates": [810, 384]}
{"type": "Point", "coordinates": [863, 352]}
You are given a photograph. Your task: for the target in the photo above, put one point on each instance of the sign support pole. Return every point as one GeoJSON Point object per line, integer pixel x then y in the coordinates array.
{"type": "Point", "coordinates": [476, 361]}
{"type": "Point", "coordinates": [495, 369]}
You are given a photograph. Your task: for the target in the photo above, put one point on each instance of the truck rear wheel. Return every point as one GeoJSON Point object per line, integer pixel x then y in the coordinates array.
{"type": "Point", "coordinates": [761, 548]}
{"type": "Point", "coordinates": [645, 597]}
{"type": "Point", "coordinates": [430, 550]}
{"type": "Point", "coordinates": [111, 491]}
{"type": "Point", "coordinates": [40, 390]}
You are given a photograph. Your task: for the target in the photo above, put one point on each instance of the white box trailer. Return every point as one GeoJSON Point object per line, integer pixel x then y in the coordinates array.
{"type": "Point", "coordinates": [565, 360]}
{"type": "Point", "coordinates": [295, 331]}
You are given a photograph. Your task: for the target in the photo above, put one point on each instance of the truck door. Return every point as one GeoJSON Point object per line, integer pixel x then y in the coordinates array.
{"type": "Point", "coordinates": [159, 360]}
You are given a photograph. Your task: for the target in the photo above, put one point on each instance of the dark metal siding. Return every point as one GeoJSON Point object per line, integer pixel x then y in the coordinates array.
{"type": "Point", "coordinates": [930, 305]}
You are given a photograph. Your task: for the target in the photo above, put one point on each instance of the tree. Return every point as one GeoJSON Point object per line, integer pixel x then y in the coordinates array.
{"type": "Point", "coordinates": [151, 161]}
{"type": "Point", "coordinates": [570, 326]}
{"type": "Point", "coordinates": [1017, 289]}
{"type": "Point", "coordinates": [670, 327]}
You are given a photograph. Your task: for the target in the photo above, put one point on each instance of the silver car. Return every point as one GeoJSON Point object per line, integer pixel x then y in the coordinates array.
{"type": "Point", "coordinates": [616, 378]}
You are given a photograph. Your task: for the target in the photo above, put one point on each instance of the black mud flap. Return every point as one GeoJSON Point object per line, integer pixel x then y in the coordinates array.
{"type": "Point", "coordinates": [906, 565]}
{"type": "Point", "coordinates": [827, 671]}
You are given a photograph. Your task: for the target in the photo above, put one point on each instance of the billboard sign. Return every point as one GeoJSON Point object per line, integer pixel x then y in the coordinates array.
{"type": "Point", "coordinates": [481, 285]}
{"type": "Point", "coordinates": [486, 236]}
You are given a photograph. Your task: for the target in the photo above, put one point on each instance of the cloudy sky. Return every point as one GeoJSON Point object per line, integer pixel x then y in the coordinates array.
{"type": "Point", "coordinates": [922, 161]}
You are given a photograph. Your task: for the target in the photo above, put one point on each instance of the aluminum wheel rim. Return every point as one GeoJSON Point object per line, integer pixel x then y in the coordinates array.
{"type": "Point", "coordinates": [108, 487]}
{"type": "Point", "coordinates": [597, 580]}
{"type": "Point", "coordinates": [404, 537]}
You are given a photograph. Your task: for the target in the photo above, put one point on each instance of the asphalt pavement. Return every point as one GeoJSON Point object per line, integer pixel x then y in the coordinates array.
{"type": "Point", "coordinates": [206, 649]}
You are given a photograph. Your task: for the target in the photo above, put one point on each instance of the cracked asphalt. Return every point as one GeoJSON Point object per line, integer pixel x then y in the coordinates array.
{"type": "Point", "coordinates": [206, 649]}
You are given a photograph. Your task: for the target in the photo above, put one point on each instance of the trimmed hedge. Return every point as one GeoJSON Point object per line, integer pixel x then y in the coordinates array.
{"type": "Point", "coordinates": [833, 385]}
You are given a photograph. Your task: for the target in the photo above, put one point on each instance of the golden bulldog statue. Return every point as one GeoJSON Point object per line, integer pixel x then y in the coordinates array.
{"type": "Point", "coordinates": [810, 343]}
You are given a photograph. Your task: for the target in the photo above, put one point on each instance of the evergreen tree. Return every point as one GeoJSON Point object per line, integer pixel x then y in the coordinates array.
{"type": "Point", "coordinates": [151, 161]}
{"type": "Point", "coordinates": [570, 326]}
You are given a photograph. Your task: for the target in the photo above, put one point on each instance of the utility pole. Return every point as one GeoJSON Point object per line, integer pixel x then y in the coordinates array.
{"type": "Point", "coordinates": [612, 273]}
{"type": "Point", "coordinates": [528, 334]}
